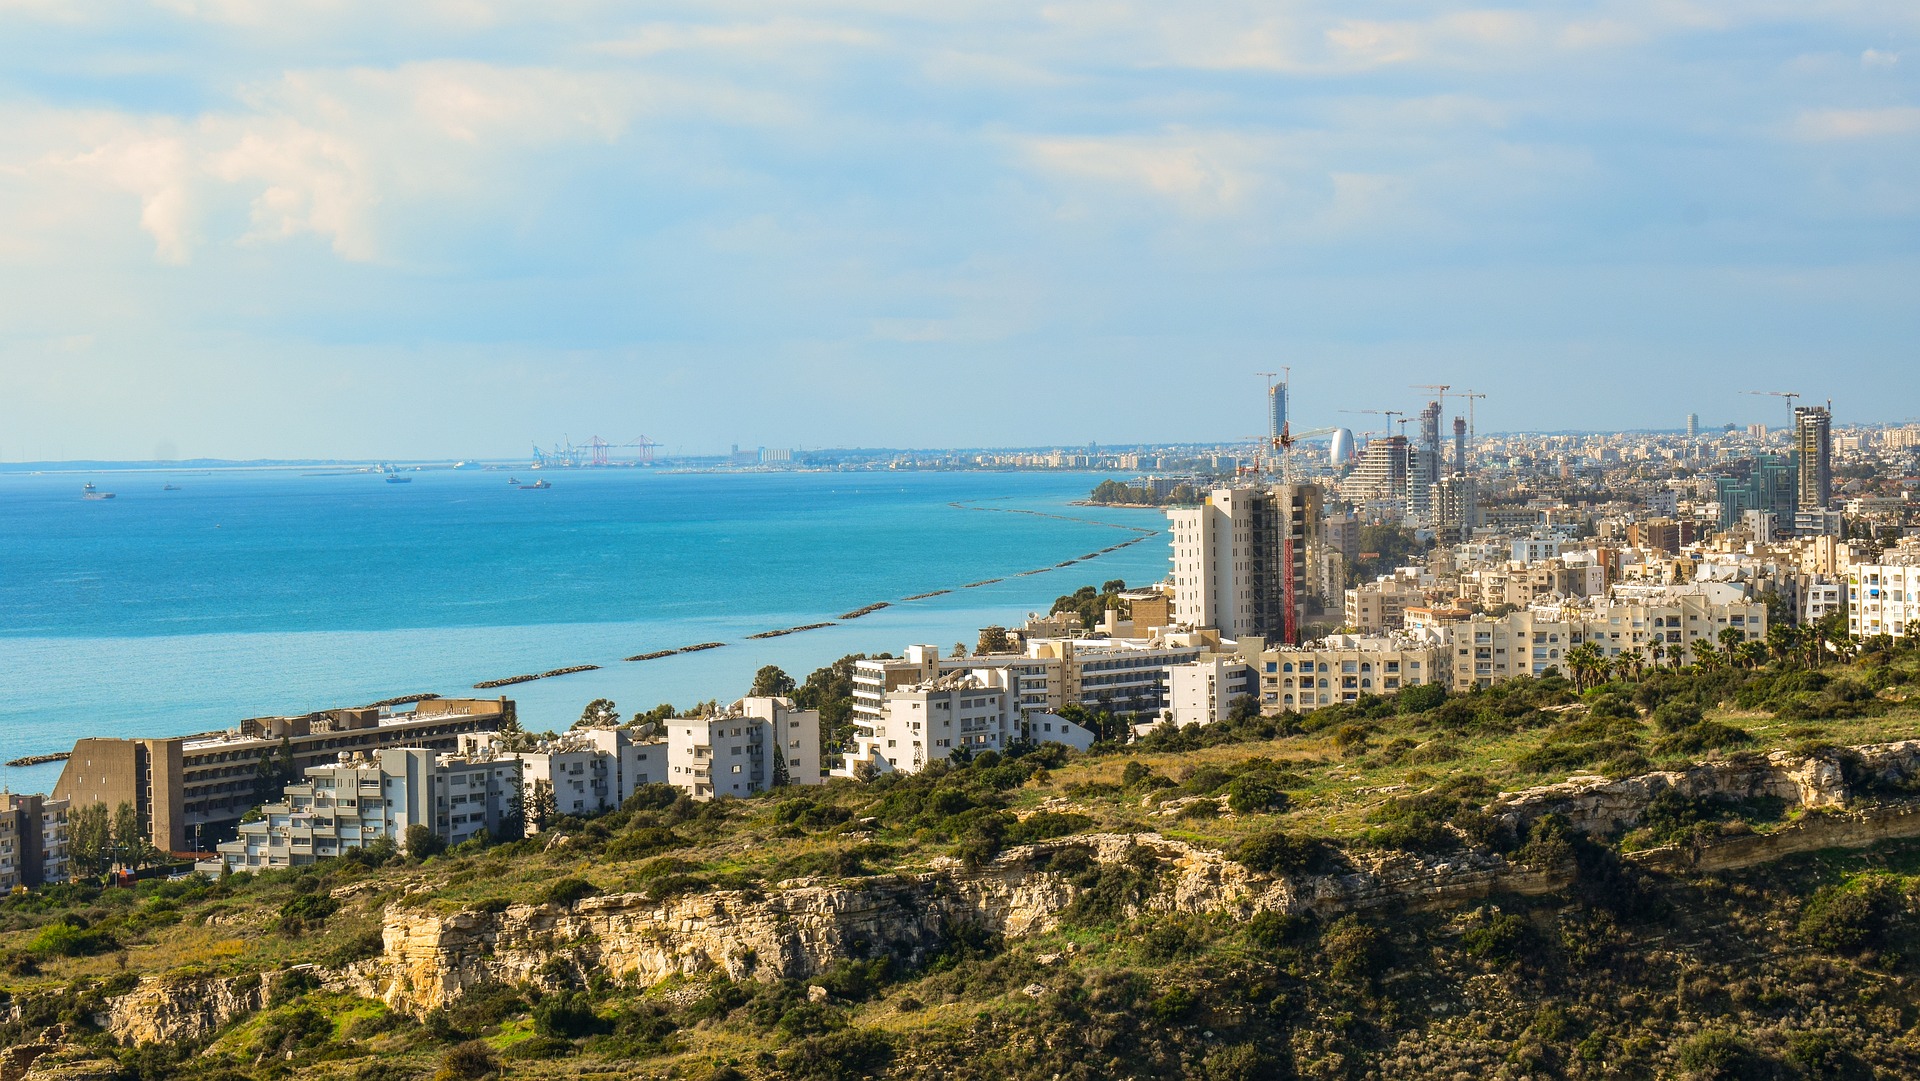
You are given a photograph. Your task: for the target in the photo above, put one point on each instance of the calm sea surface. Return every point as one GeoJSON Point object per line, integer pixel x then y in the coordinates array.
{"type": "Point", "coordinates": [252, 593]}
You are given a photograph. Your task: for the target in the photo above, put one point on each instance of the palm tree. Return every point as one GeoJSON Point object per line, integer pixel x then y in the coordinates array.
{"type": "Point", "coordinates": [1731, 639]}
{"type": "Point", "coordinates": [1784, 641]}
{"type": "Point", "coordinates": [1586, 661]}
{"type": "Point", "coordinates": [1705, 655]}
{"type": "Point", "coordinates": [1656, 650]}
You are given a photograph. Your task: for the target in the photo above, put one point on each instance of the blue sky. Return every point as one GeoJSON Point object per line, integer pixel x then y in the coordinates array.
{"type": "Point", "coordinates": [250, 228]}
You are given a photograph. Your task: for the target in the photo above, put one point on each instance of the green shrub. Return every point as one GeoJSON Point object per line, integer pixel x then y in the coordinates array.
{"type": "Point", "coordinates": [1277, 852]}
{"type": "Point", "coordinates": [1256, 793]}
{"type": "Point", "coordinates": [1702, 737]}
{"type": "Point", "coordinates": [1719, 1055]}
{"type": "Point", "coordinates": [1354, 951]}
{"type": "Point", "coordinates": [65, 939]}
{"type": "Point", "coordinates": [306, 912]}
{"type": "Point", "coordinates": [568, 1015]}
{"type": "Point", "coordinates": [567, 890]}
{"type": "Point", "coordinates": [1851, 918]}
{"type": "Point", "coordinates": [847, 1055]}
{"type": "Point", "coordinates": [469, 1061]}
{"type": "Point", "coordinates": [1504, 939]}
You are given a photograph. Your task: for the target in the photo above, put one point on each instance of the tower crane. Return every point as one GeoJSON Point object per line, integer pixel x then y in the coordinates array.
{"type": "Point", "coordinates": [1471, 395]}
{"type": "Point", "coordinates": [1439, 390]}
{"type": "Point", "coordinates": [1789, 395]}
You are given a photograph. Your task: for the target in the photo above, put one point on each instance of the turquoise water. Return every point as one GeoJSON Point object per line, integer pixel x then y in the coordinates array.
{"type": "Point", "coordinates": [253, 593]}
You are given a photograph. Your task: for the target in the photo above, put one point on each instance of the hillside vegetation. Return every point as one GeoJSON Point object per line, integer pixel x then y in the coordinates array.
{"type": "Point", "coordinates": [1804, 967]}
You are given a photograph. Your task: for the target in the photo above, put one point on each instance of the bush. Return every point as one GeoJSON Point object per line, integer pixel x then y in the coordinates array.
{"type": "Point", "coordinates": [306, 912]}
{"type": "Point", "coordinates": [1504, 939]}
{"type": "Point", "coordinates": [65, 939]}
{"type": "Point", "coordinates": [1850, 918]}
{"type": "Point", "coordinates": [469, 1061]}
{"type": "Point", "coordinates": [1256, 793]}
{"type": "Point", "coordinates": [1354, 951]}
{"type": "Point", "coordinates": [846, 1055]}
{"type": "Point", "coordinates": [422, 843]}
{"type": "Point", "coordinates": [1702, 737]}
{"type": "Point", "coordinates": [1719, 1054]}
{"type": "Point", "coordinates": [568, 890]}
{"type": "Point", "coordinates": [1277, 852]}
{"type": "Point", "coordinates": [566, 1016]}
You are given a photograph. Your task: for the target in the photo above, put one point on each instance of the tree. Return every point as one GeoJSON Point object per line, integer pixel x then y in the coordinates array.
{"type": "Point", "coordinates": [1731, 639]}
{"type": "Point", "coordinates": [993, 640]}
{"type": "Point", "coordinates": [90, 837]}
{"type": "Point", "coordinates": [600, 713]}
{"type": "Point", "coordinates": [771, 682]}
{"type": "Point", "coordinates": [959, 650]}
{"type": "Point", "coordinates": [780, 778]}
{"type": "Point", "coordinates": [542, 808]}
{"type": "Point", "coordinates": [422, 842]}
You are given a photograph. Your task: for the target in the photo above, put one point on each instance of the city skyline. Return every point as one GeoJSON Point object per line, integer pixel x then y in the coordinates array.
{"type": "Point", "coordinates": [237, 232]}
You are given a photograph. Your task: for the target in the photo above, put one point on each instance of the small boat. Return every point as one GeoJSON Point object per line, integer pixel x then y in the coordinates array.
{"type": "Point", "coordinates": [90, 492]}
{"type": "Point", "coordinates": [169, 487]}
{"type": "Point", "coordinates": [397, 478]}
{"type": "Point", "coordinates": [538, 485]}
{"type": "Point", "coordinates": [515, 481]}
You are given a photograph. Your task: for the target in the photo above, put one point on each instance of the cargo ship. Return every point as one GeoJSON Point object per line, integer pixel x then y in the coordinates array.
{"type": "Point", "coordinates": [90, 492]}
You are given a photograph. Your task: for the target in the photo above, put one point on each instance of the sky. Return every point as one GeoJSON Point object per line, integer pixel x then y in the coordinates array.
{"type": "Point", "coordinates": [449, 228]}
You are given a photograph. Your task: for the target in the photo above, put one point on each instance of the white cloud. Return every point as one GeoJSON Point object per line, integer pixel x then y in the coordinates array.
{"type": "Point", "coordinates": [1821, 125]}
{"type": "Point", "coordinates": [1874, 58]}
{"type": "Point", "coordinates": [769, 37]}
{"type": "Point", "coordinates": [1202, 173]}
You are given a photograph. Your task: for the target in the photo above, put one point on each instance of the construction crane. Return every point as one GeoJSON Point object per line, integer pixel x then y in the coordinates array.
{"type": "Point", "coordinates": [1284, 444]}
{"type": "Point", "coordinates": [1470, 396]}
{"type": "Point", "coordinates": [1439, 390]}
{"type": "Point", "coordinates": [1789, 395]}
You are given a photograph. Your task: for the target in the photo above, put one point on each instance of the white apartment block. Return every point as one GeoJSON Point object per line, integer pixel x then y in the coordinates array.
{"type": "Point", "coordinates": [1884, 598]}
{"type": "Point", "coordinates": [364, 797]}
{"type": "Point", "coordinates": [976, 710]}
{"type": "Point", "coordinates": [1536, 547]}
{"type": "Point", "coordinates": [1205, 690]}
{"type": "Point", "coordinates": [587, 771]}
{"type": "Point", "coordinates": [1121, 675]}
{"type": "Point", "coordinates": [1820, 598]}
{"type": "Point", "coordinates": [733, 752]}
{"type": "Point", "coordinates": [1240, 557]}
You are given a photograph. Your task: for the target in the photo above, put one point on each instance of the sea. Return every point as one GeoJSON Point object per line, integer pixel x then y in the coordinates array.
{"type": "Point", "coordinates": [246, 593]}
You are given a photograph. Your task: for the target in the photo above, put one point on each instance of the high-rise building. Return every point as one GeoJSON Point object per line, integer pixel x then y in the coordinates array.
{"type": "Point", "coordinates": [1240, 560]}
{"type": "Point", "coordinates": [1459, 444]}
{"type": "Point", "coordinates": [1813, 454]}
{"type": "Point", "coordinates": [1381, 472]}
{"type": "Point", "coordinates": [1693, 425]}
{"type": "Point", "coordinates": [1768, 486]}
{"type": "Point", "coordinates": [1276, 410]}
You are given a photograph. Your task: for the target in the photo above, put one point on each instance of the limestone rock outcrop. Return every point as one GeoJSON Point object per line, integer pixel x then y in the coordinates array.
{"type": "Point", "coordinates": [164, 1010]}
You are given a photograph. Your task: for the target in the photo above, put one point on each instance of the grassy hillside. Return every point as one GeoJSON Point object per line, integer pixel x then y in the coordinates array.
{"type": "Point", "coordinates": [1801, 969]}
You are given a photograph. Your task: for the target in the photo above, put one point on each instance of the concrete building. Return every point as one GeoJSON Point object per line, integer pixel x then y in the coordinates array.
{"type": "Point", "coordinates": [974, 710]}
{"type": "Point", "coordinates": [1771, 484]}
{"type": "Point", "coordinates": [1536, 547]}
{"type": "Point", "coordinates": [191, 791]}
{"type": "Point", "coordinates": [1382, 473]}
{"type": "Point", "coordinates": [1884, 597]}
{"type": "Point", "coordinates": [1372, 607]}
{"type": "Point", "coordinates": [1342, 668]}
{"type": "Point", "coordinates": [1527, 643]}
{"type": "Point", "coordinates": [33, 840]}
{"type": "Point", "coordinates": [365, 796]}
{"type": "Point", "coordinates": [1820, 597]}
{"type": "Point", "coordinates": [1813, 455]}
{"type": "Point", "coordinates": [587, 771]}
{"type": "Point", "coordinates": [739, 750]}
{"type": "Point", "coordinates": [1205, 690]}
{"type": "Point", "coordinates": [1240, 560]}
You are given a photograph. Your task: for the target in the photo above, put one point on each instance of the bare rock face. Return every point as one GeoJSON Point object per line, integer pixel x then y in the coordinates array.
{"type": "Point", "coordinates": [71, 1063]}
{"type": "Point", "coordinates": [165, 1011]}
{"type": "Point", "coordinates": [1597, 805]}
{"type": "Point", "coordinates": [793, 931]}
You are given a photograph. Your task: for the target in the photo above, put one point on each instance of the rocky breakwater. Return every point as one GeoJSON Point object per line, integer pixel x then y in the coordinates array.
{"type": "Point", "coordinates": [790, 931]}
{"type": "Point", "coordinates": [1825, 780]}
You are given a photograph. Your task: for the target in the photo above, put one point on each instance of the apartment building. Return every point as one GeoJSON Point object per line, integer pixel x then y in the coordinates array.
{"type": "Point", "coordinates": [1205, 690]}
{"type": "Point", "coordinates": [586, 771]}
{"type": "Point", "coordinates": [361, 797]}
{"type": "Point", "coordinates": [1121, 675]}
{"type": "Point", "coordinates": [974, 710]}
{"type": "Point", "coordinates": [33, 840]}
{"type": "Point", "coordinates": [1527, 643]}
{"type": "Point", "coordinates": [1240, 560]}
{"type": "Point", "coordinates": [735, 751]}
{"type": "Point", "coordinates": [1884, 597]}
{"type": "Point", "coordinates": [1381, 605]}
{"type": "Point", "coordinates": [1342, 668]}
{"type": "Point", "coordinates": [191, 791]}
